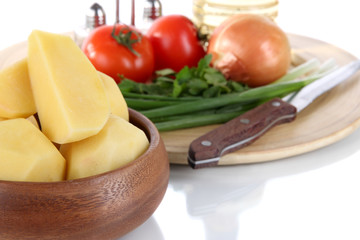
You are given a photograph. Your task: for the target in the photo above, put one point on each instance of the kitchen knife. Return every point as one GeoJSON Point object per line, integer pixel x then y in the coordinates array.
{"type": "Point", "coordinates": [206, 150]}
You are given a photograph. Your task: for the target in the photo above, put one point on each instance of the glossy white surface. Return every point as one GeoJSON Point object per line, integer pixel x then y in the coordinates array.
{"type": "Point", "coordinates": [312, 196]}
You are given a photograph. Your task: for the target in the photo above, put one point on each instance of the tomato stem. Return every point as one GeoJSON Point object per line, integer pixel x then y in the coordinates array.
{"type": "Point", "coordinates": [124, 38]}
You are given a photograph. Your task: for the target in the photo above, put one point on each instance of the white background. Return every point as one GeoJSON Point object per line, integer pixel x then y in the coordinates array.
{"type": "Point", "coordinates": [336, 22]}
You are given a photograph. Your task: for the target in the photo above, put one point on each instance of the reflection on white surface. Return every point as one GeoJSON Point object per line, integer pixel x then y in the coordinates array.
{"type": "Point", "coordinates": [217, 197]}
{"type": "Point", "coordinates": [149, 228]}
{"type": "Point", "coordinates": [307, 206]}
{"type": "Point", "coordinates": [174, 219]}
{"type": "Point", "coordinates": [312, 196]}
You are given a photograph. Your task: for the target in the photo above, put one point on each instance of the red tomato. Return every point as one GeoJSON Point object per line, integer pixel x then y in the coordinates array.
{"type": "Point", "coordinates": [114, 59]}
{"type": "Point", "coordinates": [175, 42]}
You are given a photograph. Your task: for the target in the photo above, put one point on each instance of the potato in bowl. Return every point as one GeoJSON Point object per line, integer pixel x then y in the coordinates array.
{"type": "Point", "coordinates": [75, 162]}
{"type": "Point", "coordinates": [104, 206]}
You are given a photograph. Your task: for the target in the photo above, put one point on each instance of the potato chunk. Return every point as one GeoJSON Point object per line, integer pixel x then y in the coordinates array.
{"type": "Point", "coordinates": [69, 95]}
{"type": "Point", "coordinates": [33, 120]}
{"type": "Point", "coordinates": [27, 155]}
{"type": "Point", "coordinates": [117, 144]}
{"type": "Point", "coordinates": [16, 98]}
{"type": "Point", "coordinates": [118, 104]}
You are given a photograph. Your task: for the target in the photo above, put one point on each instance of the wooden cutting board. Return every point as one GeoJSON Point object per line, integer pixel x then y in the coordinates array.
{"type": "Point", "coordinates": [330, 118]}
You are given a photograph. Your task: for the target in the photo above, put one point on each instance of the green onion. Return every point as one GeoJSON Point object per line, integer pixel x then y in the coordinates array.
{"type": "Point", "coordinates": [157, 97]}
{"type": "Point", "coordinates": [254, 94]}
{"type": "Point", "coordinates": [328, 66]}
{"type": "Point", "coordinates": [299, 71]}
{"type": "Point", "coordinates": [196, 121]}
{"type": "Point", "coordinates": [143, 104]}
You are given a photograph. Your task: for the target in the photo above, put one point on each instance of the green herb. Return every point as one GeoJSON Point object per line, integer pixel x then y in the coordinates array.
{"type": "Point", "coordinates": [203, 81]}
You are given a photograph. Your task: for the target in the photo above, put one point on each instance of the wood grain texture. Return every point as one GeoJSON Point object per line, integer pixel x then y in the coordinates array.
{"type": "Point", "coordinates": [104, 206]}
{"type": "Point", "coordinates": [329, 119]}
{"type": "Point", "coordinates": [239, 132]}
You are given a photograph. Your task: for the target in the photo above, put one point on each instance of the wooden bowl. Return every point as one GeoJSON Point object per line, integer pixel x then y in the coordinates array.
{"type": "Point", "coordinates": [105, 206]}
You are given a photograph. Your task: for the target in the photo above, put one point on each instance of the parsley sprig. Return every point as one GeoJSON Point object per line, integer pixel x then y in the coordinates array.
{"type": "Point", "coordinates": [202, 80]}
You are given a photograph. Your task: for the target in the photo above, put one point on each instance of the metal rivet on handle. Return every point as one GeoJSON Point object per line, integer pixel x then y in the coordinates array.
{"type": "Point", "coordinates": [206, 143]}
{"type": "Point", "coordinates": [276, 104]}
{"type": "Point", "coordinates": [244, 120]}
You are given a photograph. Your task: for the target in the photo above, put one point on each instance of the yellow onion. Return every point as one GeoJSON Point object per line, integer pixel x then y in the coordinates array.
{"type": "Point", "coordinates": [251, 49]}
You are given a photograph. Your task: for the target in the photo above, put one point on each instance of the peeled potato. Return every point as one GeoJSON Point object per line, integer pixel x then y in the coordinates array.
{"type": "Point", "coordinates": [117, 144]}
{"type": "Point", "coordinates": [27, 155]}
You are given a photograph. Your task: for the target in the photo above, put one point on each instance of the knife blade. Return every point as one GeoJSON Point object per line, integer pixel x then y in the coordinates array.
{"type": "Point", "coordinates": [206, 150]}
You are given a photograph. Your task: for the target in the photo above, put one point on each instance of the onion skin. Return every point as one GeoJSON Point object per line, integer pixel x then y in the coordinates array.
{"type": "Point", "coordinates": [251, 49]}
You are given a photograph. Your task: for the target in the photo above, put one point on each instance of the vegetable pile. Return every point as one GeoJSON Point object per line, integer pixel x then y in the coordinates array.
{"type": "Point", "coordinates": [170, 112]}
{"type": "Point", "coordinates": [194, 82]}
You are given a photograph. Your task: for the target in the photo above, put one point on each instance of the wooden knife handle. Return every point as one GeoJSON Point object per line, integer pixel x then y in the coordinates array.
{"type": "Point", "coordinates": [241, 131]}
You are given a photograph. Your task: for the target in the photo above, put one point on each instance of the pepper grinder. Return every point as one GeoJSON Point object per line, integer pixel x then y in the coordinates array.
{"type": "Point", "coordinates": [94, 18]}
{"type": "Point", "coordinates": [152, 10]}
